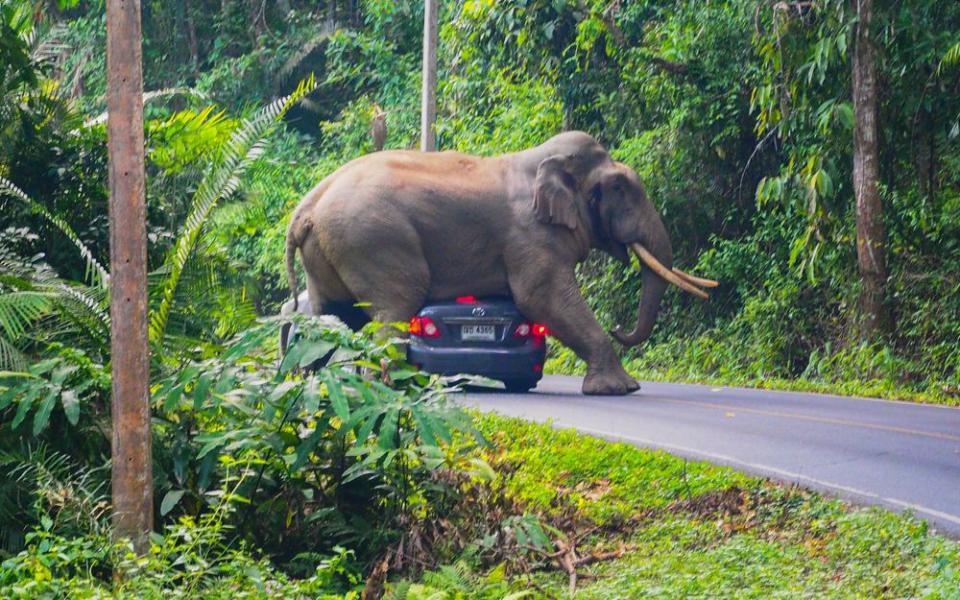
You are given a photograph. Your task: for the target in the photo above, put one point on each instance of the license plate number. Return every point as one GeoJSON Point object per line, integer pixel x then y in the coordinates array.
{"type": "Point", "coordinates": [483, 333]}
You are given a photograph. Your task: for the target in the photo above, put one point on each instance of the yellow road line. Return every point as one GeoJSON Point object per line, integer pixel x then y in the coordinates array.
{"type": "Point", "coordinates": [827, 420]}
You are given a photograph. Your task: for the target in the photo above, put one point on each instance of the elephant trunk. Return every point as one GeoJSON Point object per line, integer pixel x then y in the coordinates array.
{"type": "Point", "coordinates": [654, 287]}
{"type": "Point", "coordinates": [656, 274]}
{"type": "Point", "coordinates": [655, 254]}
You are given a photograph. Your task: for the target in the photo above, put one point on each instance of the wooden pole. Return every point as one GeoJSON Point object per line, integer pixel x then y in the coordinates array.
{"type": "Point", "coordinates": [132, 471]}
{"type": "Point", "coordinates": [428, 110]}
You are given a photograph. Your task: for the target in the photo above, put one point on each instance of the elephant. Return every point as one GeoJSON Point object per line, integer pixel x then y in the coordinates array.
{"type": "Point", "coordinates": [396, 229]}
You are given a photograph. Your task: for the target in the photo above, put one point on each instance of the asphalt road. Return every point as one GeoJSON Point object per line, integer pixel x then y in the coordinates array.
{"type": "Point", "coordinates": [899, 455]}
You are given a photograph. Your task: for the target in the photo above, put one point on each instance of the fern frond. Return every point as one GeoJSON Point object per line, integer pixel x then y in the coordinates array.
{"type": "Point", "coordinates": [84, 307]}
{"type": "Point", "coordinates": [74, 494]}
{"type": "Point", "coordinates": [301, 54]}
{"type": "Point", "coordinates": [149, 97]}
{"type": "Point", "coordinates": [95, 273]}
{"type": "Point", "coordinates": [48, 46]}
{"type": "Point", "coordinates": [951, 58]}
{"type": "Point", "coordinates": [244, 147]}
{"type": "Point", "coordinates": [11, 359]}
{"type": "Point", "coordinates": [19, 309]}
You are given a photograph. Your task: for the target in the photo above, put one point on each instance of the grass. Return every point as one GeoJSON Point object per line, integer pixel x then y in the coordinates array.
{"type": "Point", "coordinates": [696, 530]}
{"type": "Point", "coordinates": [684, 529]}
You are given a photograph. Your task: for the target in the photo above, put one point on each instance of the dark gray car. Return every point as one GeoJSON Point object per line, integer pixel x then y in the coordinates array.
{"type": "Point", "coordinates": [487, 337]}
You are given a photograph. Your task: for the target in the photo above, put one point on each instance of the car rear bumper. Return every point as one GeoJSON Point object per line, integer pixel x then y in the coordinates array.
{"type": "Point", "coordinates": [523, 362]}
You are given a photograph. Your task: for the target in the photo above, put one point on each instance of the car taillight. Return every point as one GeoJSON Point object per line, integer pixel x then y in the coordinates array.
{"type": "Point", "coordinates": [424, 327]}
{"type": "Point", "coordinates": [466, 299]}
{"type": "Point", "coordinates": [538, 330]}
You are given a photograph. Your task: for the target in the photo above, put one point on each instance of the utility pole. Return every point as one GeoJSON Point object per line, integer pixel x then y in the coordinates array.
{"type": "Point", "coordinates": [132, 470]}
{"type": "Point", "coordinates": [428, 109]}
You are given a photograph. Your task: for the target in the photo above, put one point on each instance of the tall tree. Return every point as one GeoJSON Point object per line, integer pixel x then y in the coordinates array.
{"type": "Point", "coordinates": [871, 259]}
{"type": "Point", "coordinates": [132, 471]}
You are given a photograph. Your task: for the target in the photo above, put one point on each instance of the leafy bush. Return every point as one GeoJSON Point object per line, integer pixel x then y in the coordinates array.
{"type": "Point", "coordinates": [332, 454]}
{"type": "Point", "coordinates": [191, 558]}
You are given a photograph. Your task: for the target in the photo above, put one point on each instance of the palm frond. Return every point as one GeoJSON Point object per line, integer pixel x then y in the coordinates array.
{"type": "Point", "coordinates": [951, 58]}
{"type": "Point", "coordinates": [11, 358]}
{"type": "Point", "coordinates": [19, 309]}
{"type": "Point", "coordinates": [95, 273]}
{"type": "Point", "coordinates": [35, 304]}
{"type": "Point", "coordinates": [301, 54]}
{"type": "Point", "coordinates": [149, 97]}
{"type": "Point", "coordinates": [48, 46]}
{"type": "Point", "coordinates": [221, 181]}
{"type": "Point", "coordinates": [85, 308]}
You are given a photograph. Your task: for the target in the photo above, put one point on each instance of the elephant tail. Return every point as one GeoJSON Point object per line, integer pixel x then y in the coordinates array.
{"type": "Point", "coordinates": [291, 255]}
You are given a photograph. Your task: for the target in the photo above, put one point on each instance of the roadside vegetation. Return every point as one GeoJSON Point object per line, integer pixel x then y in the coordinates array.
{"type": "Point", "coordinates": [275, 483]}
{"type": "Point", "coordinates": [534, 513]}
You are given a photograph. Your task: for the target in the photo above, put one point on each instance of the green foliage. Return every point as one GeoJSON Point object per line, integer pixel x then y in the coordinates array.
{"type": "Point", "coordinates": [193, 557]}
{"type": "Point", "coordinates": [704, 531]}
{"type": "Point", "coordinates": [333, 455]}
{"type": "Point", "coordinates": [560, 469]}
{"type": "Point", "coordinates": [736, 115]}
{"type": "Point", "coordinates": [513, 115]}
{"type": "Point", "coordinates": [63, 381]}
{"type": "Point", "coordinates": [95, 272]}
{"type": "Point", "coordinates": [243, 148]}
{"type": "Point", "coordinates": [458, 582]}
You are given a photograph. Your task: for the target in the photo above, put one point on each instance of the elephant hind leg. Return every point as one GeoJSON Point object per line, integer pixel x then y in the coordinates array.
{"type": "Point", "coordinates": [348, 312]}
{"type": "Point", "coordinates": [390, 293]}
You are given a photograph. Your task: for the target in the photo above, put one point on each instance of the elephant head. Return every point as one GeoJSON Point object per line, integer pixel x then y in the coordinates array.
{"type": "Point", "coordinates": [602, 200]}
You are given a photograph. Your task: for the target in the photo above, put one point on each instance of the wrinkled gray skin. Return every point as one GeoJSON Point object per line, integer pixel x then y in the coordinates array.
{"type": "Point", "coordinates": [398, 229]}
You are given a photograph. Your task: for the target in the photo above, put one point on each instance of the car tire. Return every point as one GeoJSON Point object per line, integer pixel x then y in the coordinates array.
{"type": "Point", "coordinates": [519, 386]}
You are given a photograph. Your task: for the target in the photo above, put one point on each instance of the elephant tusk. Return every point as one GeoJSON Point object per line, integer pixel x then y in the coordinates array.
{"type": "Point", "coordinates": [651, 261]}
{"type": "Point", "coordinates": [710, 283]}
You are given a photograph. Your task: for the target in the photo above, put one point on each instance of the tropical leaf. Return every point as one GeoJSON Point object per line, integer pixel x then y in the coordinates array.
{"type": "Point", "coordinates": [243, 149]}
{"type": "Point", "coordinates": [148, 97]}
{"type": "Point", "coordinates": [11, 357]}
{"type": "Point", "coordinates": [950, 58]}
{"type": "Point", "coordinates": [19, 309]}
{"type": "Point", "coordinates": [96, 274]}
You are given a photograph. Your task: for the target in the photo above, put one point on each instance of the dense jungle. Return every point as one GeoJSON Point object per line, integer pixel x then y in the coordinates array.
{"type": "Point", "coordinates": [738, 116]}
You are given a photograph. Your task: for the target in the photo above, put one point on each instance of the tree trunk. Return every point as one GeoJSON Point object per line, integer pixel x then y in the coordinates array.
{"type": "Point", "coordinates": [428, 107]}
{"type": "Point", "coordinates": [192, 40]}
{"type": "Point", "coordinates": [332, 13]}
{"type": "Point", "coordinates": [257, 20]}
{"type": "Point", "coordinates": [132, 471]}
{"type": "Point", "coordinates": [871, 259]}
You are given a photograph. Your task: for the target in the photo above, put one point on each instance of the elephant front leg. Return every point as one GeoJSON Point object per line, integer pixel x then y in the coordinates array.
{"type": "Point", "coordinates": [555, 300]}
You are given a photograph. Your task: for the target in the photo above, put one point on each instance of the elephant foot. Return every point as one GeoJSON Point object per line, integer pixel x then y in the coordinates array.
{"type": "Point", "coordinates": [609, 383]}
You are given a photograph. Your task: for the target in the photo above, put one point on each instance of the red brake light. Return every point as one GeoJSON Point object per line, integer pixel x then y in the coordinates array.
{"type": "Point", "coordinates": [424, 327]}
{"type": "Point", "coordinates": [466, 299]}
{"type": "Point", "coordinates": [531, 330]}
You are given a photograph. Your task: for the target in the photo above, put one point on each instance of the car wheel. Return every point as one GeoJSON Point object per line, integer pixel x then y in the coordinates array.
{"type": "Point", "coordinates": [519, 386]}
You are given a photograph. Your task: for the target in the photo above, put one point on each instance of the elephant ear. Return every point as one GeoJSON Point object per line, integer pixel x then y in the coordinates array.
{"type": "Point", "coordinates": [555, 194]}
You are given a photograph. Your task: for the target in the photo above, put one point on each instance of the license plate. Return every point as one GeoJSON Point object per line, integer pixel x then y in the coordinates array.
{"type": "Point", "coordinates": [482, 333]}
